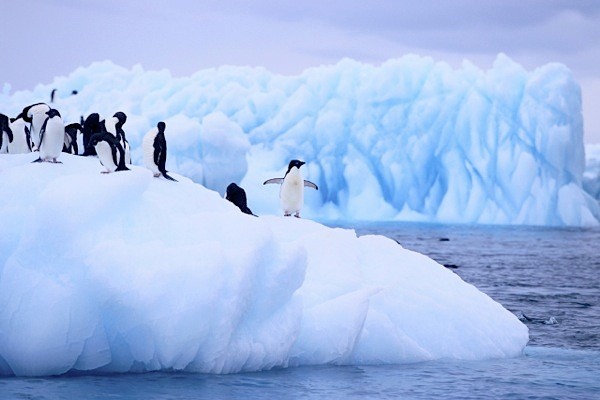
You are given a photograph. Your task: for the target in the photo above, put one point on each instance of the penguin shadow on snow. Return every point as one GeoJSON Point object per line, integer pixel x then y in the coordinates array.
{"type": "Point", "coordinates": [291, 192]}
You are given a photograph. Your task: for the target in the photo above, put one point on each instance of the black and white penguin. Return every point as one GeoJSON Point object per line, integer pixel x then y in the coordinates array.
{"type": "Point", "coordinates": [154, 147]}
{"type": "Point", "coordinates": [21, 136]}
{"type": "Point", "coordinates": [114, 125]}
{"type": "Point", "coordinates": [52, 137]}
{"type": "Point", "coordinates": [71, 135]}
{"type": "Point", "coordinates": [291, 193]}
{"type": "Point", "coordinates": [35, 115]}
{"type": "Point", "coordinates": [110, 152]}
{"type": "Point", "coordinates": [91, 126]}
{"type": "Point", "coordinates": [237, 196]}
{"type": "Point", "coordinates": [6, 134]}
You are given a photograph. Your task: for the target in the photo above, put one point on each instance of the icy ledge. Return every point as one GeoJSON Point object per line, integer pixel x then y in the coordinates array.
{"type": "Point", "coordinates": [124, 272]}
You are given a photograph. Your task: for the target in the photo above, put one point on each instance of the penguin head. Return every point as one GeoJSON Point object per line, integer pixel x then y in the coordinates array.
{"type": "Point", "coordinates": [120, 115]}
{"type": "Point", "coordinates": [295, 163]}
{"type": "Point", "coordinates": [28, 114]}
{"type": "Point", "coordinates": [95, 139]}
{"type": "Point", "coordinates": [232, 191]}
{"type": "Point", "coordinates": [92, 123]}
{"type": "Point", "coordinates": [53, 112]}
{"type": "Point", "coordinates": [161, 127]}
{"type": "Point", "coordinates": [74, 127]}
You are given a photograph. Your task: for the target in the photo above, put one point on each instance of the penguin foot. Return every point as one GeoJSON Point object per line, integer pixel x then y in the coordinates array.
{"type": "Point", "coordinates": [287, 215]}
{"type": "Point", "coordinates": [297, 215]}
{"type": "Point", "coordinates": [156, 175]}
{"type": "Point", "coordinates": [105, 172]}
{"type": "Point", "coordinates": [55, 161]}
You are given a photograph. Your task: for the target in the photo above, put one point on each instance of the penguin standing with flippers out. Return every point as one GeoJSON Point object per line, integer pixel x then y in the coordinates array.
{"type": "Point", "coordinates": [52, 137]}
{"type": "Point", "coordinates": [291, 193]}
{"type": "Point", "coordinates": [237, 196]}
{"type": "Point", "coordinates": [6, 133]}
{"type": "Point", "coordinates": [154, 147]}
{"type": "Point", "coordinates": [109, 151]}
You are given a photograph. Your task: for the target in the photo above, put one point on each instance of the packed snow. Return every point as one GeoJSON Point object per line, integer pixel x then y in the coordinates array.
{"type": "Point", "coordinates": [412, 139]}
{"type": "Point", "coordinates": [126, 272]}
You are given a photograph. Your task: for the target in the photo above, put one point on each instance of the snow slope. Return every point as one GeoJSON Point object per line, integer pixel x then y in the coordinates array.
{"type": "Point", "coordinates": [126, 272]}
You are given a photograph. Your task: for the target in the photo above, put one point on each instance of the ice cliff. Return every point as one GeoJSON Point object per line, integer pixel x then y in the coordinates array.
{"type": "Point", "coordinates": [412, 139]}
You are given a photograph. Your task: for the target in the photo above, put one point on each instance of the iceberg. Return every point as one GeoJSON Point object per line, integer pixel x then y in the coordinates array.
{"type": "Point", "coordinates": [591, 176]}
{"type": "Point", "coordinates": [411, 139]}
{"type": "Point", "coordinates": [123, 272]}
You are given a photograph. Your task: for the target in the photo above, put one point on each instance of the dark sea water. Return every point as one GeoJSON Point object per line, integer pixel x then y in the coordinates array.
{"type": "Point", "coordinates": [548, 277]}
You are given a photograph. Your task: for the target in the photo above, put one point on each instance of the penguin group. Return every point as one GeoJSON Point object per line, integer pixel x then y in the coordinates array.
{"type": "Point", "coordinates": [41, 128]}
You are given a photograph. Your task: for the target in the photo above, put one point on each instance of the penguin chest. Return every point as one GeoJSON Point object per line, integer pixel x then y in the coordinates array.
{"type": "Point", "coordinates": [105, 156]}
{"type": "Point", "coordinates": [148, 150]}
{"type": "Point", "coordinates": [53, 140]}
{"type": "Point", "coordinates": [292, 192]}
{"type": "Point", "coordinates": [19, 143]}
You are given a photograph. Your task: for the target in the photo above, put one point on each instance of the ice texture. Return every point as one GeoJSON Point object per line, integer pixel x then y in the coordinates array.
{"type": "Point", "coordinates": [411, 139]}
{"type": "Point", "coordinates": [125, 272]}
{"type": "Point", "coordinates": [591, 176]}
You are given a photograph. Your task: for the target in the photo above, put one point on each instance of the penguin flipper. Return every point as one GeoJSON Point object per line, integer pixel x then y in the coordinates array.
{"type": "Point", "coordinates": [43, 130]}
{"type": "Point", "coordinates": [28, 137]}
{"type": "Point", "coordinates": [310, 185]}
{"type": "Point", "coordinates": [273, 180]}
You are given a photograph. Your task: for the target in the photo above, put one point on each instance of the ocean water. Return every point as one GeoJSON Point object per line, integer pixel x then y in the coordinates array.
{"type": "Point", "coordinates": [548, 277]}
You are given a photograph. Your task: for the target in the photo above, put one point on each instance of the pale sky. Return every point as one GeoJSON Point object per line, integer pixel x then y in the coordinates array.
{"type": "Point", "coordinates": [42, 39]}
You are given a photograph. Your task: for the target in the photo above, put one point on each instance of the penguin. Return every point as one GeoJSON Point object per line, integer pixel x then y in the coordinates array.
{"type": "Point", "coordinates": [110, 152]}
{"type": "Point", "coordinates": [91, 126]}
{"type": "Point", "coordinates": [6, 134]}
{"type": "Point", "coordinates": [114, 126]}
{"type": "Point", "coordinates": [291, 193]}
{"type": "Point", "coordinates": [154, 147]}
{"type": "Point", "coordinates": [21, 136]}
{"type": "Point", "coordinates": [237, 196]}
{"type": "Point", "coordinates": [35, 115]}
{"type": "Point", "coordinates": [52, 137]}
{"type": "Point", "coordinates": [70, 143]}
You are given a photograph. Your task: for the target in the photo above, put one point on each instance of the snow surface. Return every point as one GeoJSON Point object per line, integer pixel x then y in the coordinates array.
{"type": "Point", "coordinates": [126, 272]}
{"type": "Point", "coordinates": [412, 139]}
